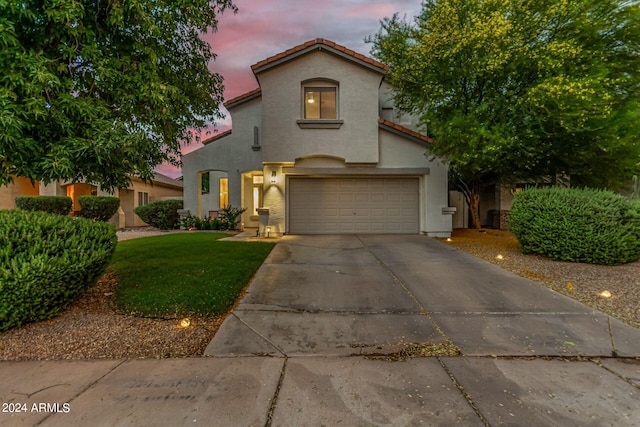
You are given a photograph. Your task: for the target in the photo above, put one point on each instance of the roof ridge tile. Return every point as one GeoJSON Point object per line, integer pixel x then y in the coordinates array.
{"type": "Point", "coordinates": [319, 41]}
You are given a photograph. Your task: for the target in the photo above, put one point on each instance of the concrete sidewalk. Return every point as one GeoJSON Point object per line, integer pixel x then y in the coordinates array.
{"type": "Point", "coordinates": [293, 351]}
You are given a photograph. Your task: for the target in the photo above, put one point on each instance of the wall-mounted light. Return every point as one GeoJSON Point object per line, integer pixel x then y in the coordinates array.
{"type": "Point", "coordinates": [268, 232]}
{"type": "Point", "coordinates": [273, 177]}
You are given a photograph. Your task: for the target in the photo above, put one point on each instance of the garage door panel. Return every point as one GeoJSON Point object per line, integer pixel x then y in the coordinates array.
{"type": "Point", "coordinates": [362, 197]}
{"type": "Point", "coordinates": [353, 205]}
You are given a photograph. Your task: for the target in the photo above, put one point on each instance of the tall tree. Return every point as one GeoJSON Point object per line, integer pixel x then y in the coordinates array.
{"type": "Point", "coordinates": [97, 90]}
{"type": "Point", "coordinates": [521, 90]}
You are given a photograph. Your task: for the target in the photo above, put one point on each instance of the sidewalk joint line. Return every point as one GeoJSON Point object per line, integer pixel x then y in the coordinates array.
{"type": "Point", "coordinates": [274, 400]}
{"type": "Point", "coordinates": [122, 362]}
{"type": "Point", "coordinates": [464, 393]}
{"type": "Point", "coordinates": [614, 352]}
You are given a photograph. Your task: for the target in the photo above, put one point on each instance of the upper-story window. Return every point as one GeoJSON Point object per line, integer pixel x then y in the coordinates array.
{"type": "Point", "coordinates": [320, 104]}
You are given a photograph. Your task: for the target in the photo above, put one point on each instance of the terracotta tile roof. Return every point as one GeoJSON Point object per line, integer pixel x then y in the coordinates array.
{"type": "Point", "coordinates": [319, 43]}
{"type": "Point", "coordinates": [404, 130]}
{"type": "Point", "coordinates": [244, 96]}
{"type": "Point", "coordinates": [216, 137]}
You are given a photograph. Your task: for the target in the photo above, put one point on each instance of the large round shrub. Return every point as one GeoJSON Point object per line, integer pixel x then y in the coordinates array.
{"type": "Point", "coordinates": [579, 225]}
{"type": "Point", "coordinates": [98, 208]}
{"type": "Point", "coordinates": [47, 261]}
{"type": "Point", "coordinates": [162, 214]}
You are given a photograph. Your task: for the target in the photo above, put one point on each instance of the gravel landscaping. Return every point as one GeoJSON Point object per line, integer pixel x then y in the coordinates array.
{"type": "Point", "coordinates": [614, 290]}
{"type": "Point", "coordinates": [92, 329]}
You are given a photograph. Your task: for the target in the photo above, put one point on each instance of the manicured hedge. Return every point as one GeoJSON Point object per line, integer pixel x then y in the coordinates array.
{"type": "Point", "coordinates": [98, 208]}
{"type": "Point", "coordinates": [162, 214]}
{"type": "Point", "coordinates": [579, 225]}
{"type": "Point", "coordinates": [47, 261]}
{"type": "Point", "coordinates": [60, 205]}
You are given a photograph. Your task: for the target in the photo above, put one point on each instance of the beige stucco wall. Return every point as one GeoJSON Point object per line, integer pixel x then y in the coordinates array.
{"type": "Point", "coordinates": [20, 187]}
{"type": "Point", "coordinates": [129, 198]}
{"type": "Point", "coordinates": [282, 103]}
{"type": "Point", "coordinates": [388, 111]}
{"type": "Point", "coordinates": [232, 154]}
{"type": "Point", "coordinates": [211, 201]}
{"type": "Point", "coordinates": [55, 188]}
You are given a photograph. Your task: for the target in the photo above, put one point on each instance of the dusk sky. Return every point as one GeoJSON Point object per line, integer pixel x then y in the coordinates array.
{"type": "Point", "coordinates": [264, 28]}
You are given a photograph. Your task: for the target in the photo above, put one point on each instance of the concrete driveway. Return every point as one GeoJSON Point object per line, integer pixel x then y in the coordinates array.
{"type": "Point", "coordinates": [345, 295]}
{"type": "Point", "coordinates": [542, 359]}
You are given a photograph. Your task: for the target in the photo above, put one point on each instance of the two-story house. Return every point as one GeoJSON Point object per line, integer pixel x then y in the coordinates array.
{"type": "Point", "coordinates": [320, 146]}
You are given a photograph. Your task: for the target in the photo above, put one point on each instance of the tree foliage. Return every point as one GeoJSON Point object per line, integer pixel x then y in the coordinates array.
{"type": "Point", "coordinates": [97, 90]}
{"type": "Point", "coordinates": [518, 90]}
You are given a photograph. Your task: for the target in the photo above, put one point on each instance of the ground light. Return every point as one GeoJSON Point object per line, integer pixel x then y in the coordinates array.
{"type": "Point", "coordinates": [605, 294]}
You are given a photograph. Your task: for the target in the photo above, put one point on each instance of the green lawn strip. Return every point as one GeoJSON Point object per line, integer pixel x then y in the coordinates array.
{"type": "Point", "coordinates": [184, 274]}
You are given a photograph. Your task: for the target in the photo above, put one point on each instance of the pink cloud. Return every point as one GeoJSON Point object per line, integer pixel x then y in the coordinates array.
{"type": "Point", "coordinates": [374, 10]}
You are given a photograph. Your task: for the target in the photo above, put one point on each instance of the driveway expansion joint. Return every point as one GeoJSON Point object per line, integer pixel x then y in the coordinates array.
{"type": "Point", "coordinates": [464, 393]}
{"type": "Point", "coordinates": [274, 399]}
{"type": "Point", "coordinates": [278, 349]}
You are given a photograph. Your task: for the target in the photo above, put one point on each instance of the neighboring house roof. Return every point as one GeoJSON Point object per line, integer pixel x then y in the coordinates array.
{"type": "Point", "coordinates": [166, 180]}
{"type": "Point", "coordinates": [216, 137]}
{"type": "Point", "coordinates": [163, 181]}
{"type": "Point", "coordinates": [255, 93]}
{"type": "Point", "coordinates": [318, 45]}
{"type": "Point", "coordinates": [403, 131]}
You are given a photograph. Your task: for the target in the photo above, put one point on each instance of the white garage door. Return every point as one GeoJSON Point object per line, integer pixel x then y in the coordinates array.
{"type": "Point", "coordinates": [353, 205]}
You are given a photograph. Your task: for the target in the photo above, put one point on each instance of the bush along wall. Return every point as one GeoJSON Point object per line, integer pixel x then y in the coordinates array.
{"type": "Point", "coordinates": [98, 208]}
{"type": "Point", "coordinates": [60, 205]}
{"type": "Point", "coordinates": [229, 219]}
{"type": "Point", "coordinates": [162, 214]}
{"type": "Point", "coordinates": [47, 261]}
{"type": "Point", "coordinates": [579, 225]}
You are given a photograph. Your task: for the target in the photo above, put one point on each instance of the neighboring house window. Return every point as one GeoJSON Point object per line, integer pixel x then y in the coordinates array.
{"type": "Point", "coordinates": [205, 184]}
{"type": "Point", "coordinates": [224, 193]}
{"type": "Point", "coordinates": [257, 193]}
{"type": "Point", "coordinates": [143, 198]}
{"type": "Point", "coordinates": [320, 103]}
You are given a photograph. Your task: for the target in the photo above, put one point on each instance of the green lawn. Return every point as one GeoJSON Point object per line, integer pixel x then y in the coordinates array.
{"type": "Point", "coordinates": [184, 274]}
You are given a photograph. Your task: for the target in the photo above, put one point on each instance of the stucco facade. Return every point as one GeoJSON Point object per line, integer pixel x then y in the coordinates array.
{"type": "Point", "coordinates": [138, 192]}
{"type": "Point", "coordinates": [353, 157]}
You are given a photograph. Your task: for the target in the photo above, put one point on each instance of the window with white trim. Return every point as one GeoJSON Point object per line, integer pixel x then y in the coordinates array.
{"type": "Point", "coordinates": [320, 107]}
{"type": "Point", "coordinates": [224, 193]}
{"type": "Point", "coordinates": [320, 103]}
{"type": "Point", "coordinates": [258, 181]}
{"type": "Point", "coordinates": [143, 198]}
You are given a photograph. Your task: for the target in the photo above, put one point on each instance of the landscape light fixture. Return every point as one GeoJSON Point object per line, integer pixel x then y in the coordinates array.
{"type": "Point", "coordinates": [268, 232]}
